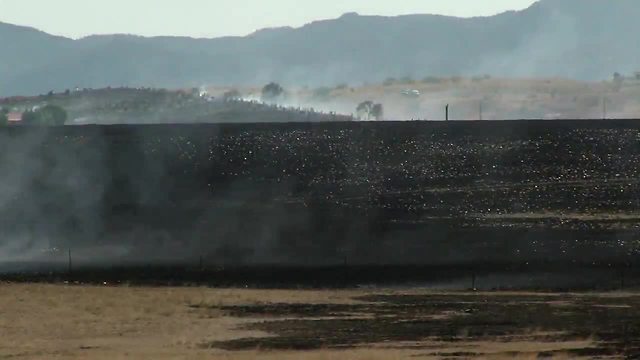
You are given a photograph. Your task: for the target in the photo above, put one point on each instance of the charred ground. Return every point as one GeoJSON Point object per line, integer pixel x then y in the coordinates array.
{"type": "Point", "coordinates": [481, 195]}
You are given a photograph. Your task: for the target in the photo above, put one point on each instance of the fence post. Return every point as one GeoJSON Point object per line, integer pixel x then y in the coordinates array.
{"type": "Point", "coordinates": [345, 269]}
{"type": "Point", "coordinates": [473, 281]}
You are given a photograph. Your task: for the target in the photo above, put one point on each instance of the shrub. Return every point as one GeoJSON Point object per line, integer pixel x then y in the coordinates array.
{"type": "Point", "coordinates": [322, 93]}
{"type": "Point", "coordinates": [271, 92]}
{"type": "Point", "coordinates": [389, 81]}
{"type": "Point", "coordinates": [50, 115]}
{"type": "Point", "coordinates": [432, 80]}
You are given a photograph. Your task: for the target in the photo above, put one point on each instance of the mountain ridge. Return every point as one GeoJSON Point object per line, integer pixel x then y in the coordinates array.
{"type": "Point", "coordinates": [583, 40]}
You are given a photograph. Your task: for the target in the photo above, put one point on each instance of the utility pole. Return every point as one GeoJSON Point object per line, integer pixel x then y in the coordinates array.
{"type": "Point", "coordinates": [480, 111]}
{"type": "Point", "coordinates": [447, 112]}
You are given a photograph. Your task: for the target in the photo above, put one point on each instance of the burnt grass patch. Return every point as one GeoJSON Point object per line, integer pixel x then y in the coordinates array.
{"type": "Point", "coordinates": [326, 194]}
{"type": "Point", "coordinates": [612, 322]}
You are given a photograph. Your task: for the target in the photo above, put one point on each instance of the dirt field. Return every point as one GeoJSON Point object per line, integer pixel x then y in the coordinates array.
{"type": "Point", "coordinates": [73, 322]}
{"type": "Point", "coordinates": [472, 98]}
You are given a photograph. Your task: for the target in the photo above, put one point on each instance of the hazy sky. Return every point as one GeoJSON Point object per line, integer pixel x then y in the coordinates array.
{"type": "Point", "coordinates": [212, 18]}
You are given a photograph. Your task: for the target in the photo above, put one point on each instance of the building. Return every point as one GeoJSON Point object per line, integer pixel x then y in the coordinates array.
{"type": "Point", "coordinates": [14, 117]}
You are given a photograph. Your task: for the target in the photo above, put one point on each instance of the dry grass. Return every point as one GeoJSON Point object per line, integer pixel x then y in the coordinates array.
{"type": "Point", "coordinates": [80, 322]}
{"type": "Point", "coordinates": [47, 321]}
{"type": "Point", "coordinates": [500, 98]}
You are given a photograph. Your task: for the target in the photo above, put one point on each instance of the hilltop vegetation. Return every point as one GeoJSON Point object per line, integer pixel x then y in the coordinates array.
{"type": "Point", "coordinates": [151, 106]}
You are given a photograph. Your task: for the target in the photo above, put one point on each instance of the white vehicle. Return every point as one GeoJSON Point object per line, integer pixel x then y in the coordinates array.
{"type": "Point", "coordinates": [411, 93]}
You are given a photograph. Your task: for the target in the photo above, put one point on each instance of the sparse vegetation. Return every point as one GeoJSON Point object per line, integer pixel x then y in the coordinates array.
{"type": "Point", "coordinates": [501, 99]}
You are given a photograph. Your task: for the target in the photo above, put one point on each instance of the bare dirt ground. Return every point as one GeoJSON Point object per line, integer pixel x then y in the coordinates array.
{"type": "Point", "coordinates": [80, 322]}
{"type": "Point", "coordinates": [473, 98]}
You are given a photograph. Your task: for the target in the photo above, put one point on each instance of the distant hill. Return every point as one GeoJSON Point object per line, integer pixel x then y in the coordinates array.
{"type": "Point", "coordinates": [158, 106]}
{"type": "Point", "coordinates": [579, 39]}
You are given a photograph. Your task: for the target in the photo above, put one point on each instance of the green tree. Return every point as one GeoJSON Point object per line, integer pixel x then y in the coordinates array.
{"type": "Point", "coordinates": [618, 81]}
{"type": "Point", "coordinates": [53, 115]}
{"type": "Point", "coordinates": [322, 93]}
{"type": "Point", "coordinates": [364, 110]}
{"type": "Point", "coordinates": [30, 118]}
{"type": "Point", "coordinates": [432, 80]}
{"type": "Point", "coordinates": [407, 80]}
{"type": "Point", "coordinates": [368, 110]}
{"type": "Point", "coordinates": [50, 115]}
{"type": "Point", "coordinates": [377, 111]}
{"type": "Point", "coordinates": [271, 92]}
{"type": "Point", "coordinates": [3, 117]}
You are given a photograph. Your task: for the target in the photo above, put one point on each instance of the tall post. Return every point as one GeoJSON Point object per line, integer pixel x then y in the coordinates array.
{"type": "Point", "coordinates": [345, 270]}
{"type": "Point", "coordinates": [480, 111]}
{"type": "Point", "coordinates": [447, 112]}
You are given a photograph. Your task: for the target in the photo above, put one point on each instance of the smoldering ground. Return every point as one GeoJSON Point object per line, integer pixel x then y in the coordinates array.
{"type": "Point", "coordinates": [126, 195]}
{"type": "Point", "coordinates": [319, 194]}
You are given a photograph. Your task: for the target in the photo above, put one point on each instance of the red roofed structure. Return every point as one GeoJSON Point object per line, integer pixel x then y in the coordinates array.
{"type": "Point", "coordinates": [14, 117]}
